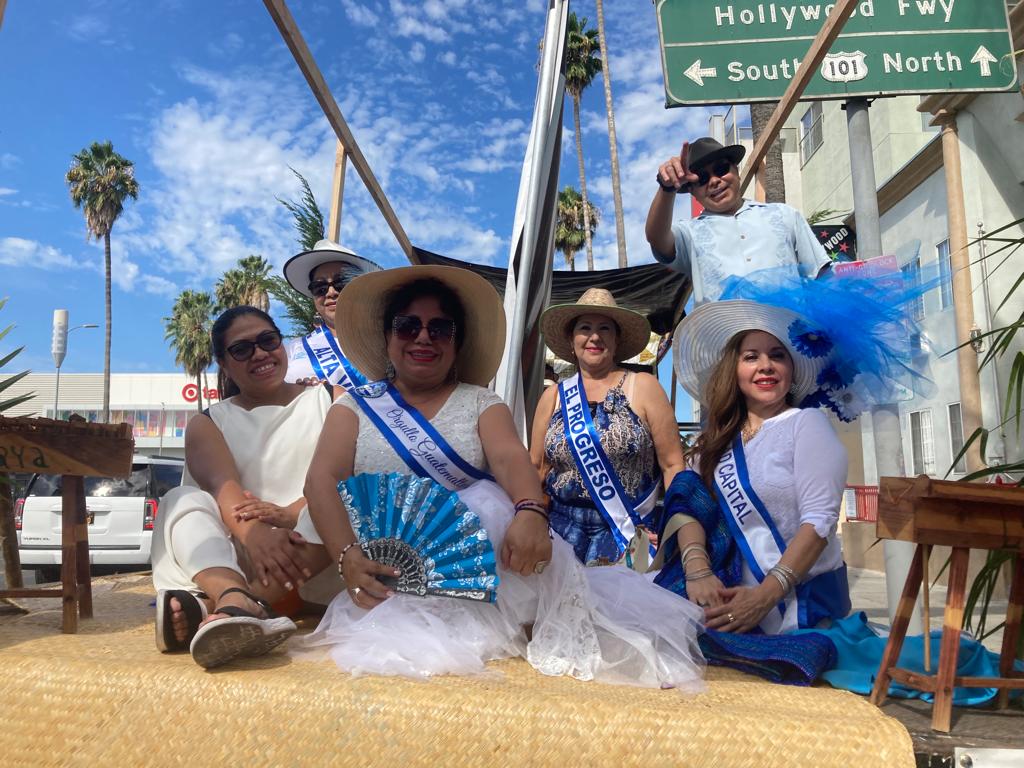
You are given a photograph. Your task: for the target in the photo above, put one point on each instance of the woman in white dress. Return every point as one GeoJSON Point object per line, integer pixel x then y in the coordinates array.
{"type": "Point", "coordinates": [435, 335]}
{"type": "Point", "coordinates": [223, 544]}
{"type": "Point", "coordinates": [763, 553]}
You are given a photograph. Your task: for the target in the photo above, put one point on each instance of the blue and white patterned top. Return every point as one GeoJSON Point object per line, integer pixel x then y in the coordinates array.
{"type": "Point", "coordinates": [714, 246]}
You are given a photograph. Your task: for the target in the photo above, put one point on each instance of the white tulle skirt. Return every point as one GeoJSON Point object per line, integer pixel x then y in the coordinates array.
{"type": "Point", "coordinates": [608, 624]}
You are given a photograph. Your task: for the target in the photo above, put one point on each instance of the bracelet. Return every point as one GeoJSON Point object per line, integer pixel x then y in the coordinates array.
{"type": "Point", "coordinates": [696, 550]}
{"type": "Point", "coordinates": [785, 579]}
{"type": "Point", "coordinates": [700, 575]}
{"type": "Point", "coordinates": [341, 557]}
{"type": "Point", "coordinates": [537, 510]}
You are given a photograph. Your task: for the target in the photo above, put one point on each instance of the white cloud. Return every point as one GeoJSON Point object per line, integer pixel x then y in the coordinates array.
{"type": "Point", "coordinates": [19, 252]}
{"type": "Point", "coordinates": [417, 52]}
{"type": "Point", "coordinates": [7, 191]}
{"type": "Point", "coordinates": [86, 28]}
{"type": "Point", "coordinates": [449, 58]}
{"type": "Point", "coordinates": [8, 161]}
{"type": "Point", "coordinates": [359, 14]}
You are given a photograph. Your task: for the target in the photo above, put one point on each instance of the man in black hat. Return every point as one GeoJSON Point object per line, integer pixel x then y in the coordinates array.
{"type": "Point", "coordinates": [732, 236]}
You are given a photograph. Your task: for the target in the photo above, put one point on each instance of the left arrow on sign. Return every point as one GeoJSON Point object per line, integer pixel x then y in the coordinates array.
{"type": "Point", "coordinates": [983, 56]}
{"type": "Point", "coordinates": [697, 73]}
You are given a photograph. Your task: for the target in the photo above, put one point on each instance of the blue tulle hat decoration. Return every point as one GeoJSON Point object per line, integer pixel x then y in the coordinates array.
{"type": "Point", "coordinates": [849, 335]}
{"type": "Point", "coordinates": [425, 531]}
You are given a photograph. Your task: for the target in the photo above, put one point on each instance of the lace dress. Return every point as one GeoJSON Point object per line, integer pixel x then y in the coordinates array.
{"type": "Point", "coordinates": [601, 624]}
{"type": "Point", "coordinates": [629, 446]}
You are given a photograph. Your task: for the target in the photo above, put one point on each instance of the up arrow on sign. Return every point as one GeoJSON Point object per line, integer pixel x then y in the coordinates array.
{"type": "Point", "coordinates": [984, 58]}
{"type": "Point", "coordinates": [697, 73]}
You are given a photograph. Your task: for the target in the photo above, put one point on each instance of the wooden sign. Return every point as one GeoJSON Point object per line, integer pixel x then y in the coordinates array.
{"type": "Point", "coordinates": [65, 447]}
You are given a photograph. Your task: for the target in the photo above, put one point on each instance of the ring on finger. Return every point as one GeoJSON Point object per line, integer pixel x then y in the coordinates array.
{"type": "Point", "coordinates": [357, 590]}
{"type": "Point", "coordinates": [730, 617]}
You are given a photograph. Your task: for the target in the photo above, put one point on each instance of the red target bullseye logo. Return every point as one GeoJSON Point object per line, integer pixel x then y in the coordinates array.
{"type": "Point", "coordinates": [190, 392]}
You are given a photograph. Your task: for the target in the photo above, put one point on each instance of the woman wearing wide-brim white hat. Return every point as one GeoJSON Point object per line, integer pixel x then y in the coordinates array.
{"type": "Point", "coordinates": [321, 274]}
{"type": "Point", "coordinates": [436, 334]}
{"type": "Point", "coordinates": [631, 415]}
{"type": "Point", "coordinates": [750, 365]}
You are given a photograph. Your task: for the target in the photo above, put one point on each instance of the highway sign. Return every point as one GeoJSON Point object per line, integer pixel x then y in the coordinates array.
{"type": "Point", "coordinates": [740, 51]}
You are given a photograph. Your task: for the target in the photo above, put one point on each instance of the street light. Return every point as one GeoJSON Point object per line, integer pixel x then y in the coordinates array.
{"type": "Point", "coordinates": [59, 347]}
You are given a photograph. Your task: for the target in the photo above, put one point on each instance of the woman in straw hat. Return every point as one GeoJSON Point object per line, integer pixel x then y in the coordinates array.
{"type": "Point", "coordinates": [605, 439]}
{"type": "Point", "coordinates": [434, 336]}
{"type": "Point", "coordinates": [222, 544]}
{"type": "Point", "coordinates": [756, 541]}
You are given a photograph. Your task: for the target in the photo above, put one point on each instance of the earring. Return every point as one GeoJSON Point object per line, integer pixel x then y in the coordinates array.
{"type": "Point", "coordinates": [389, 371]}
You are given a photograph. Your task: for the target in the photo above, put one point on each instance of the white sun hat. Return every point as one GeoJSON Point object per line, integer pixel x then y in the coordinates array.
{"type": "Point", "coordinates": [300, 266]}
{"type": "Point", "coordinates": [703, 334]}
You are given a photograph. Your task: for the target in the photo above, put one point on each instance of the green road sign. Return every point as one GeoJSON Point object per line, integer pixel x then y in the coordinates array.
{"type": "Point", "coordinates": [739, 51]}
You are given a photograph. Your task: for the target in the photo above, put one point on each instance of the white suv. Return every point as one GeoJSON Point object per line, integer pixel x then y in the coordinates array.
{"type": "Point", "coordinates": [120, 513]}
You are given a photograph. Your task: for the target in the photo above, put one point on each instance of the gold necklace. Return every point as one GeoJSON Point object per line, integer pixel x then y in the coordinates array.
{"type": "Point", "coordinates": [747, 433]}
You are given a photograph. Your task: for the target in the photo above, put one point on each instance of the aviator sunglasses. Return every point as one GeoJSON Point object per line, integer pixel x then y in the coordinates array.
{"type": "Point", "coordinates": [268, 341]}
{"type": "Point", "coordinates": [718, 168]}
{"type": "Point", "coordinates": [319, 287]}
{"type": "Point", "coordinates": [408, 327]}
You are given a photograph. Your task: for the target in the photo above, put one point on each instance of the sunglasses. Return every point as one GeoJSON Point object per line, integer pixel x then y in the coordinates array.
{"type": "Point", "coordinates": [718, 168]}
{"type": "Point", "coordinates": [319, 287]}
{"type": "Point", "coordinates": [408, 327]}
{"type": "Point", "coordinates": [268, 341]}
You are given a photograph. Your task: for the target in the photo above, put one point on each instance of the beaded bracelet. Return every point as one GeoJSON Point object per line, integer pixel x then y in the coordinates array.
{"type": "Point", "coordinates": [341, 557]}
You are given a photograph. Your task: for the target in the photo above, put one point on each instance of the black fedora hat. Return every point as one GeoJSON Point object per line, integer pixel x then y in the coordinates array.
{"type": "Point", "coordinates": [706, 150]}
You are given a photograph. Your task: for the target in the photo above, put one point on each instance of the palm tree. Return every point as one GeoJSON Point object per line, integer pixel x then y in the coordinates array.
{"type": "Point", "coordinates": [8, 536]}
{"type": "Point", "coordinates": [613, 146]}
{"type": "Point", "coordinates": [188, 330]}
{"type": "Point", "coordinates": [774, 181]}
{"type": "Point", "coordinates": [574, 217]}
{"type": "Point", "coordinates": [309, 223]}
{"type": "Point", "coordinates": [582, 63]}
{"type": "Point", "coordinates": [100, 180]}
{"type": "Point", "coordinates": [246, 284]}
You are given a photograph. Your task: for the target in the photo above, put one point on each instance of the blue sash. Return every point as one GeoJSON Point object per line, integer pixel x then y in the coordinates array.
{"type": "Point", "coordinates": [762, 547]}
{"type": "Point", "coordinates": [598, 474]}
{"type": "Point", "coordinates": [414, 438]}
{"type": "Point", "coordinates": [325, 361]}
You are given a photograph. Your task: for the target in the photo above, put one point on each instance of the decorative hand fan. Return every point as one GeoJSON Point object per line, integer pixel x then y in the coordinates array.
{"type": "Point", "coordinates": [421, 528]}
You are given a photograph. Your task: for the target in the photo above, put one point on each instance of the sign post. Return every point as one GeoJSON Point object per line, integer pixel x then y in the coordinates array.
{"type": "Point", "coordinates": [742, 51]}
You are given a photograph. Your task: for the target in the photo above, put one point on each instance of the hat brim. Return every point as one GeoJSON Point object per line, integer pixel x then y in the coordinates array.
{"type": "Point", "coordinates": [298, 268]}
{"type": "Point", "coordinates": [702, 336]}
{"type": "Point", "coordinates": [634, 329]}
{"type": "Point", "coordinates": [359, 320]}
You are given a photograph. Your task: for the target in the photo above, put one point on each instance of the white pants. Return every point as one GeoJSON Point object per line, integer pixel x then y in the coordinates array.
{"type": "Point", "coordinates": [189, 536]}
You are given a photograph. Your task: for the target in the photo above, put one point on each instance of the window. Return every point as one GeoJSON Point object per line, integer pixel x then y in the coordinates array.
{"type": "Point", "coordinates": [956, 436]}
{"type": "Point", "coordinates": [945, 273]}
{"type": "Point", "coordinates": [922, 442]}
{"type": "Point", "coordinates": [811, 136]}
{"type": "Point", "coordinates": [912, 273]}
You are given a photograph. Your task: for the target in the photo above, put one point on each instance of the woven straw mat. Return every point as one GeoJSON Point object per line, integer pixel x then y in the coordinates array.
{"type": "Point", "coordinates": [106, 697]}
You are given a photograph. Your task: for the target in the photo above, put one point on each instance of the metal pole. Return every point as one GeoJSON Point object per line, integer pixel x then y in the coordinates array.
{"type": "Point", "coordinates": [56, 394]}
{"type": "Point", "coordinates": [548, 75]}
{"type": "Point", "coordinates": [885, 419]}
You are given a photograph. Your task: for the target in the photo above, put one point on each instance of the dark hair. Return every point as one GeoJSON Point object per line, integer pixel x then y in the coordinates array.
{"type": "Point", "coordinates": [401, 297]}
{"type": "Point", "coordinates": [570, 326]}
{"type": "Point", "coordinates": [348, 272]}
{"type": "Point", "coordinates": [218, 336]}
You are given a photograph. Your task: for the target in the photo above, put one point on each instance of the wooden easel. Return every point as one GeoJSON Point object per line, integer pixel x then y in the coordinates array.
{"type": "Point", "coordinates": [962, 516]}
{"type": "Point", "coordinates": [75, 450]}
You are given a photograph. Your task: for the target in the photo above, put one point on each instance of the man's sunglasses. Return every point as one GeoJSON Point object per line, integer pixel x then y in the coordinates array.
{"type": "Point", "coordinates": [268, 341]}
{"type": "Point", "coordinates": [319, 287]}
{"type": "Point", "coordinates": [718, 168]}
{"type": "Point", "coordinates": [408, 327]}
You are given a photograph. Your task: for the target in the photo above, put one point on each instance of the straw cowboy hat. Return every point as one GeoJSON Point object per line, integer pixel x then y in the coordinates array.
{"type": "Point", "coordinates": [359, 320]}
{"type": "Point", "coordinates": [702, 336]}
{"type": "Point", "coordinates": [298, 268]}
{"type": "Point", "coordinates": [556, 324]}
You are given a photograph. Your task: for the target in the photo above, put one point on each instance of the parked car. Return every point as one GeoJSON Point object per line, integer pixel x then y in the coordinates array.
{"type": "Point", "coordinates": [120, 513]}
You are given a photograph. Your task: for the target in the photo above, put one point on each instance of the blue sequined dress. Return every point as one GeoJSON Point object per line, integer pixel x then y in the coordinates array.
{"type": "Point", "coordinates": [629, 446]}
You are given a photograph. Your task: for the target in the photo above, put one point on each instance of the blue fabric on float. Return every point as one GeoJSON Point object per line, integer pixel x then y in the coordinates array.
{"type": "Point", "coordinates": [859, 652]}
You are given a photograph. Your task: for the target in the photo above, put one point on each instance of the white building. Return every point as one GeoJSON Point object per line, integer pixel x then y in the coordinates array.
{"type": "Point", "coordinates": [157, 405]}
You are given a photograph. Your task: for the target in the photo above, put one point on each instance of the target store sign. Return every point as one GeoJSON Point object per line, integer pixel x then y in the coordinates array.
{"type": "Point", "coordinates": [190, 393]}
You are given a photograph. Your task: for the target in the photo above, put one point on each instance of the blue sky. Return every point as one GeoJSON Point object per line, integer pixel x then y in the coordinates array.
{"type": "Point", "coordinates": [207, 101]}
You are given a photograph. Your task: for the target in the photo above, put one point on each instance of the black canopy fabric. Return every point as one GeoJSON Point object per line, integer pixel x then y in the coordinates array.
{"type": "Point", "coordinates": [651, 289]}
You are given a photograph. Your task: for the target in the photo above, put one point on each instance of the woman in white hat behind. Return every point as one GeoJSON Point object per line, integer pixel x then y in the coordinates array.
{"type": "Point", "coordinates": [605, 438]}
{"type": "Point", "coordinates": [755, 542]}
{"type": "Point", "coordinates": [434, 337]}
{"type": "Point", "coordinates": [321, 274]}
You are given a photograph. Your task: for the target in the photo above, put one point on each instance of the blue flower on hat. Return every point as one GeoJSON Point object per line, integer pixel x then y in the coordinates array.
{"type": "Point", "coordinates": [847, 403]}
{"type": "Point", "coordinates": [817, 399]}
{"type": "Point", "coordinates": [836, 375]}
{"type": "Point", "coordinates": [809, 341]}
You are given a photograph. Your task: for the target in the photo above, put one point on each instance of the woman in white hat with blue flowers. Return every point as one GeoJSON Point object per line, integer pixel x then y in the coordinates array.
{"type": "Point", "coordinates": [756, 544]}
